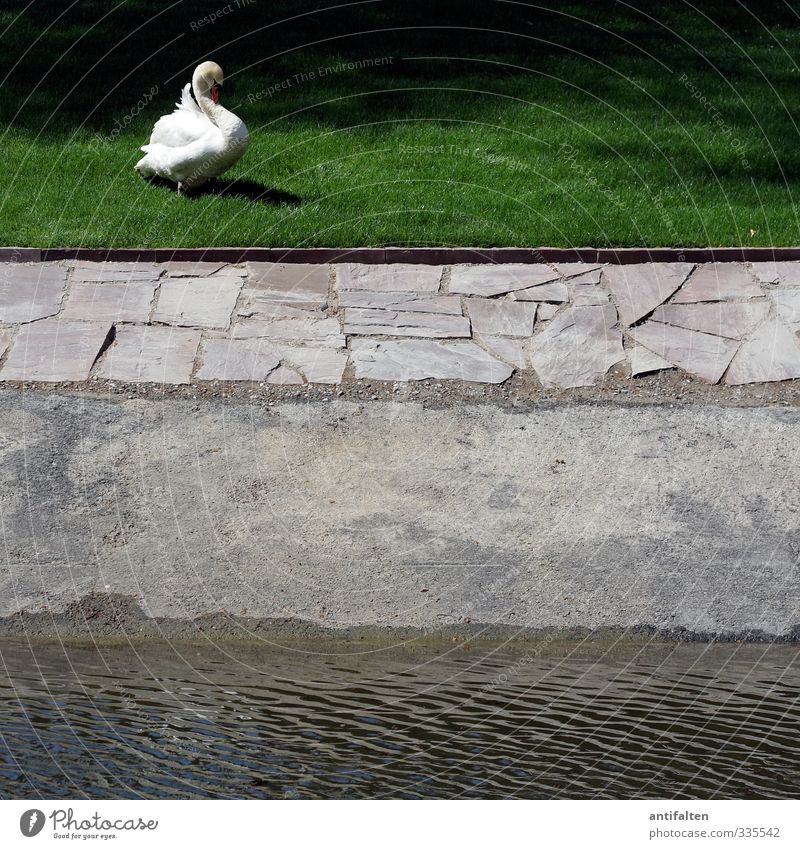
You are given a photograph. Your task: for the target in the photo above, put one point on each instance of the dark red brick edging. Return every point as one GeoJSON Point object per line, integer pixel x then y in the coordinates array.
{"type": "Point", "coordinates": [424, 256]}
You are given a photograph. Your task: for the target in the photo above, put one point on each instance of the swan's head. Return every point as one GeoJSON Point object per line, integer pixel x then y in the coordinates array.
{"type": "Point", "coordinates": [208, 79]}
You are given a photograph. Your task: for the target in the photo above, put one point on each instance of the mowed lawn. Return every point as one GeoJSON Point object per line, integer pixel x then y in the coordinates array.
{"type": "Point", "coordinates": [410, 123]}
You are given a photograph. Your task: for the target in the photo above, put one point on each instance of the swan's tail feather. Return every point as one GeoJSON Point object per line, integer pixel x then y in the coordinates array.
{"type": "Point", "coordinates": [187, 102]}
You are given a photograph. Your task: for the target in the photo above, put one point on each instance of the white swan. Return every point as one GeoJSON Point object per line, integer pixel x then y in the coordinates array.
{"type": "Point", "coordinates": [199, 139]}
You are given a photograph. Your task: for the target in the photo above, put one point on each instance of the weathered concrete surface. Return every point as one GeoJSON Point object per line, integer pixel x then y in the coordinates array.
{"type": "Point", "coordinates": [550, 518]}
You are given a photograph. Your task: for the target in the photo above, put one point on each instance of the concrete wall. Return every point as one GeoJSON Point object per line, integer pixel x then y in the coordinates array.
{"type": "Point", "coordinates": [172, 517]}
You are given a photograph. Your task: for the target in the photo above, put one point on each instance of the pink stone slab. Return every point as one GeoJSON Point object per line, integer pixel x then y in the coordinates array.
{"type": "Point", "coordinates": [395, 277]}
{"type": "Point", "coordinates": [501, 318]}
{"type": "Point", "coordinates": [6, 335]}
{"type": "Point", "coordinates": [258, 304]}
{"type": "Point", "coordinates": [30, 292]}
{"type": "Point", "coordinates": [510, 351]}
{"type": "Point", "coordinates": [114, 272]}
{"type": "Point", "coordinates": [488, 280]}
{"type": "Point", "coordinates": [700, 354]}
{"type": "Point", "coordinates": [589, 273]}
{"type": "Point", "coordinates": [148, 354]}
{"type": "Point", "coordinates": [317, 365]}
{"type": "Point", "coordinates": [197, 301]}
{"type": "Point", "coordinates": [544, 311]}
{"type": "Point", "coordinates": [129, 301]}
{"type": "Point", "coordinates": [784, 273]}
{"type": "Point", "coordinates": [577, 347]}
{"type": "Point", "coordinates": [770, 354]}
{"type": "Point", "coordinates": [587, 294]}
{"type": "Point", "coordinates": [367, 322]}
{"type": "Point", "coordinates": [718, 281]}
{"type": "Point", "coordinates": [237, 359]}
{"type": "Point", "coordinates": [198, 269]}
{"type": "Point", "coordinates": [285, 376]}
{"type": "Point", "coordinates": [645, 362]}
{"type": "Point", "coordinates": [638, 289]}
{"type": "Point", "coordinates": [290, 283]}
{"type": "Point", "coordinates": [554, 292]}
{"type": "Point", "coordinates": [722, 318]}
{"type": "Point", "coordinates": [321, 332]}
{"type": "Point", "coordinates": [787, 305]}
{"type": "Point", "coordinates": [419, 359]}
{"type": "Point", "coordinates": [406, 301]}
{"type": "Point", "coordinates": [55, 351]}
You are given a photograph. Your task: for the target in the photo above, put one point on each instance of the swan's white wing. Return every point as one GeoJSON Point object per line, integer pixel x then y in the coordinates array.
{"type": "Point", "coordinates": [181, 163]}
{"type": "Point", "coordinates": [185, 125]}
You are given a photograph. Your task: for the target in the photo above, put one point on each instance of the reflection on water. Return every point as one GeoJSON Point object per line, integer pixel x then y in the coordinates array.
{"type": "Point", "coordinates": [194, 721]}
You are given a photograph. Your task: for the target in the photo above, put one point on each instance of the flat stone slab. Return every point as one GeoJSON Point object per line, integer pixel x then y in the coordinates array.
{"type": "Point", "coordinates": [578, 347]}
{"type": "Point", "coordinates": [197, 301]}
{"type": "Point", "coordinates": [787, 305]}
{"type": "Point", "coordinates": [30, 292]}
{"type": "Point", "coordinates": [290, 283]}
{"type": "Point", "coordinates": [368, 322]}
{"type": "Point", "coordinates": [400, 277]}
{"type": "Point", "coordinates": [701, 354]}
{"type": "Point", "coordinates": [114, 272]}
{"type": "Point", "coordinates": [488, 280]}
{"type": "Point", "coordinates": [131, 301]}
{"type": "Point", "coordinates": [546, 311]}
{"type": "Point", "coordinates": [585, 290]}
{"type": "Point", "coordinates": [639, 289]}
{"type": "Point", "coordinates": [510, 351]}
{"type": "Point", "coordinates": [645, 362]}
{"type": "Point", "coordinates": [317, 365]}
{"type": "Point", "coordinates": [147, 354]}
{"type": "Point", "coordinates": [323, 332]}
{"type": "Point", "coordinates": [53, 350]}
{"type": "Point", "coordinates": [780, 273]}
{"type": "Point", "coordinates": [6, 335]}
{"type": "Point", "coordinates": [200, 269]}
{"type": "Point", "coordinates": [553, 292]}
{"type": "Point", "coordinates": [580, 269]}
{"type": "Point", "coordinates": [257, 304]}
{"type": "Point", "coordinates": [588, 296]}
{"type": "Point", "coordinates": [501, 318]}
{"type": "Point", "coordinates": [769, 355]}
{"type": "Point", "coordinates": [406, 301]}
{"type": "Point", "coordinates": [719, 281]}
{"type": "Point", "coordinates": [722, 318]}
{"type": "Point", "coordinates": [285, 376]}
{"type": "Point", "coordinates": [420, 359]}
{"type": "Point", "coordinates": [237, 359]}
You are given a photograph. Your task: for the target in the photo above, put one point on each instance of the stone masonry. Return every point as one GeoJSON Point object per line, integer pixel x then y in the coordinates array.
{"type": "Point", "coordinates": [568, 325]}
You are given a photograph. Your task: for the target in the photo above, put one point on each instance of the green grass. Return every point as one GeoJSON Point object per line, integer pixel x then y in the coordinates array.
{"type": "Point", "coordinates": [493, 123]}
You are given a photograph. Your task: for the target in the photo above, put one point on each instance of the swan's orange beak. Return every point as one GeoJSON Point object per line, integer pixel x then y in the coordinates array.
{"type": "Point", "coordinates": [215, 92]}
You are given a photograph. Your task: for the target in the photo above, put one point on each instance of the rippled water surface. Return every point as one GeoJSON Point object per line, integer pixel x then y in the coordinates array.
{"type": "Point", "coordinates": [265, 722]}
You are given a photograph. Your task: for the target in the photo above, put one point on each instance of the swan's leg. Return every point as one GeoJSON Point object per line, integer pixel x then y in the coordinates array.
{"type": "Point", "coordinates": [180, 187]}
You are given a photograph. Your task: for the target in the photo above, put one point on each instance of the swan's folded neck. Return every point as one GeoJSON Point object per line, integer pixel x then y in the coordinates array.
{"type": "Point", "coordinates": [217, 114]}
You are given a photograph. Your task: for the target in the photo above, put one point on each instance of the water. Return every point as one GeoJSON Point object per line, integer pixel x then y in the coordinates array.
{"type": "Point", "coordinates": [191, 721]}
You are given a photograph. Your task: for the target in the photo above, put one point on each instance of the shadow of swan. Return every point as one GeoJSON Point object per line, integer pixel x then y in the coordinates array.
{"type": "Point", "coordinates": [248, 189]}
